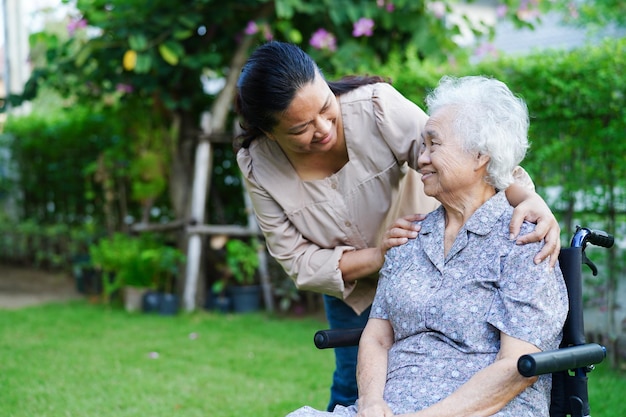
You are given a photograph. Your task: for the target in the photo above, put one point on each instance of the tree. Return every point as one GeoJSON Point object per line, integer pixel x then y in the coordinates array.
{"type": "Point", "coordinates": [165, 57]}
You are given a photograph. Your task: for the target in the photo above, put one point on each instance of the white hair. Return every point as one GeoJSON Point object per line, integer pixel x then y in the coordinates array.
{"type": "Point", "coordinates": [488, 119]}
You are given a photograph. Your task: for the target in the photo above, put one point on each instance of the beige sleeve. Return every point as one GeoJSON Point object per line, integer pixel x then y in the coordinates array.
{"type": "Point", "coordinates": [312, 267]}
{"type": "Point", "coordinates": [400, 122]}
{"type": "Point", "coordinates": [522, 178]}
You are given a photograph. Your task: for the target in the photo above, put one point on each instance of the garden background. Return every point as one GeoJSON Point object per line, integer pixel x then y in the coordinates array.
{"type": "Point", "coordinates": [127, 99]}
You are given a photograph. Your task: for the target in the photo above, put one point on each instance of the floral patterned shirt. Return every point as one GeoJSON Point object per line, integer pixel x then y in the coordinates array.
{"type": "Point", "coordinates": [447, 313]}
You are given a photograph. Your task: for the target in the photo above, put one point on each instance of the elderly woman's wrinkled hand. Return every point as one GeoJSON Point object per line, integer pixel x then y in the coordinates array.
{"type": "Point", "coordinates": [535, 210]}
{"type": "Point", "coordinates": [374, 409]}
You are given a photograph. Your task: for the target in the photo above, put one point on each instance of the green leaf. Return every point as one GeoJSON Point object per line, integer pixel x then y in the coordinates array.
{"type": "Point", "coordinates": [295, 36]}
{"type": "Point", "coordinates": [138, 42]}
{"type": "Point", "coordinates": [168, 54]}
{"type": "Point", "coordinates": [187, 21]}
{"type": "Point", "coordinates": [83, 55]}
{"type": "Point", "coordinates": [144, 63]}
{"type": "Point", "coordinates": [284, 9]}
{"type": "Point", "coordinates": [183, 34]}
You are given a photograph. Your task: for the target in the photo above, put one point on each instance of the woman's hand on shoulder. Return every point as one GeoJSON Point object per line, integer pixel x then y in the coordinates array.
{"type": "Point", "coordinates": [401, 231]}
{"type": "Point", "coordinates": [397, 234]}
{"type": "Point", "coordinates": [535, 210]}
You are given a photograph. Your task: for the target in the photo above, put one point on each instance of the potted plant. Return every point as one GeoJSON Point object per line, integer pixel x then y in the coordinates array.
{"type": "Point", "coordinates": [288, 296]}
{"type": "Point", "coordinates": [137, 275]}
{"type": "Point", "coordinates": [119, 261]}
{"type": "Point", "coordinates": [219, 299]}
{"type": "Point", "coordinates": [165, 262]}
{"type": "Point", "coordinates": [138, 266]}
{"type": "Point", "coordinates": [106, 258]}
{"type": "Point", "coordinates": [242, 260]}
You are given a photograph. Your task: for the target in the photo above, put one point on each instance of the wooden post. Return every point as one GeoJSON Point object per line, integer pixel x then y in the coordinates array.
{"type": "Point", "coordinates": [16, 68]}
{"type": "Point", "coordinates": [202, 172]}
{"type": "Point", "coordinates": [197, 228]}
{"type": "Point", "coordinates": [264, 274]}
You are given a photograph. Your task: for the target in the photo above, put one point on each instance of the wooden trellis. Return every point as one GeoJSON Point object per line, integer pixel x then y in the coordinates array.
{"type": "Point", "coordinates": [195, 227]}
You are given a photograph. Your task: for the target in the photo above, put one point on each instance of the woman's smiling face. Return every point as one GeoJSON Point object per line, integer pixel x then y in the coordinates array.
{"type": "Point", "coordinates": [309, 125]}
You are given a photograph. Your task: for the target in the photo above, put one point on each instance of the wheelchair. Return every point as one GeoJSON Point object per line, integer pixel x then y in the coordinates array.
{"type": "Point", "coordinates": [571, 362]}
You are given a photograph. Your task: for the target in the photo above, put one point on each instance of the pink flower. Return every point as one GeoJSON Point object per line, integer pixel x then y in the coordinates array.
{"type": "Point", "coordinates": [267, 33]}
{"type": "Point", "coordinates": [363, 27]}
{"type": "Point", "coordinates": [527, 14]}
{"type": "Point", "coordinates": [501, 10]}
{"type": "Point", "coordinates": [438, 8]}
{"type": "Point", "coordinates": [124, 88]}
{"type": "Point", "coordinates": [252, 28]}
{"type": "Point", "coordinates": [322, 39]}
{"type": "Point", "coordinates": [528, 10]}
{"type": "Point", "coordinates": [486, 49]}
{"type": "Point", "coordinates": [388, 6]}
{"type": "Point", "coordinates": [573, 11]}
{"type": "Point", "coordinates": [76, 24]}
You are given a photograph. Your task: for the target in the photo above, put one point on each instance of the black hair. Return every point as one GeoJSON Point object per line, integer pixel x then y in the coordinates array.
{"type": "Point", "coordinates": [269, 81]}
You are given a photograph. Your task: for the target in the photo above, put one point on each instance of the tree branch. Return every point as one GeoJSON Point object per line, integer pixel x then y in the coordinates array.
{"type": "Point", "coordinates": [221, 106]}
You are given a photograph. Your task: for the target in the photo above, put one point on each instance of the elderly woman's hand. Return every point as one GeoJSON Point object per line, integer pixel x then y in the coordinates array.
{"type": "Point", "coordinates": [535, 210]}
{"type": "Point", "coordinates": [374, 409]}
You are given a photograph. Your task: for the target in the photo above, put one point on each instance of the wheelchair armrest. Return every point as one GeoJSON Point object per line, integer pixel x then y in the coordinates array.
{"type": "Point", "coordinates": [562, 359]}
{"type": "Point", "coordinates": [334, 338]}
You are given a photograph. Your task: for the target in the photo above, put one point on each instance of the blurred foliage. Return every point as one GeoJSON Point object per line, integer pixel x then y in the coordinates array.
{"type": "Point", "coordinates": [577, 102]}
{"type": "Point", "coordinates": [53, 247]}
{"type": "Point", "coordinates": [162, 50]}
{"type": "Point", "coordinates": [151, 67]}
{"type": "Point", "coordinates": [594, 13]}
{"type": "Point", "coordinates": [50, 154]}
{"type": "Point", "coordinates": [144, 261]}
{"type": "Point", "coordinates": [134, 76]}
{"type": "Point", "coordinates": [242, 260]}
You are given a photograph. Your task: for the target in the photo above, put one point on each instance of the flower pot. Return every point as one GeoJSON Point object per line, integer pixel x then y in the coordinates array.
{"type": "Point", "coordinates": [87, 279]}
{"type": "Point", "coordinates": [159, 302]}
{"type": "Point", "coordinates": [89, 282]}
{"type": "Point", "coordinates": [133, 298]}
{"type": "Point", "coordinates": [223, 304]}
{"type": "Point", "coordinates": [246, 299]}
{"type": "Point", "coordinates": [168, 305]}
{"type": "Point", "coordinates": [151, 301]}
{"type": "Point", "coordinates": [218, 302]}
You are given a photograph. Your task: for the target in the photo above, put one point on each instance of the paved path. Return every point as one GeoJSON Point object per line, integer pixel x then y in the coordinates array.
{"type": "Point", "coordinates": [22, 287]}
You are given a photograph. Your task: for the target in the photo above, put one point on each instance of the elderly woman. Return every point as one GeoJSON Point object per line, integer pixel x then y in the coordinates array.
{"type": "Point", "coordinates": [457, 306]}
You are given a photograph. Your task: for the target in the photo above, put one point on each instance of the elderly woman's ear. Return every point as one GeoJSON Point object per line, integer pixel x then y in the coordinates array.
{"type": "Point", "coordinates": [481, 161]}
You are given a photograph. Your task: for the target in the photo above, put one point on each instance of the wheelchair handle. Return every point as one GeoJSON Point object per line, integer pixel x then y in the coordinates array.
{"type": "Point", "coordinates": [582, 236]}
{"type": "Point", "coordinates": [332, 338]}
{"type": "Point", "coordinates": [572, 357]}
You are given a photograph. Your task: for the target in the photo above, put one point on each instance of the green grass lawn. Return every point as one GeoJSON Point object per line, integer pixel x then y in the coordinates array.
{"type": "Point", "coordinates": [82, 360]}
